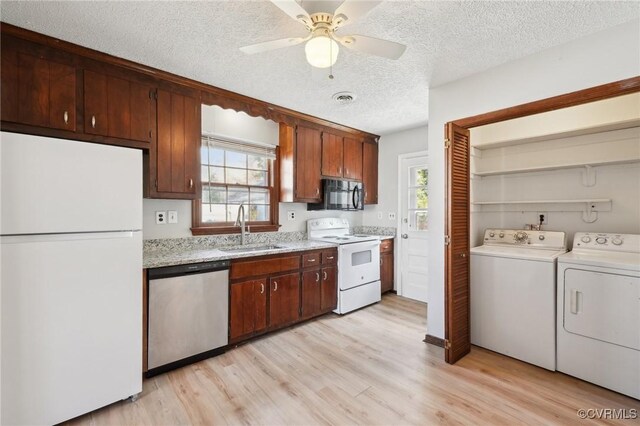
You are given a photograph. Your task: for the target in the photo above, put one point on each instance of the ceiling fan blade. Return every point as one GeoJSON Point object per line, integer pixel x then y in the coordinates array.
{"type": "Point", "coordinates": [373, 46]}
{"type": "Point", "coordinates": [272, 45]}
{"type": "Point", "coordinates": [351, 10]}
{"type": "Point", "coordinates": [293, 9]}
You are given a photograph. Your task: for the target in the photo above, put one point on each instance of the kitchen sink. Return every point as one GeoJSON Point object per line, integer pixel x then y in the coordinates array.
{"type": "Point", "coordinates": [250, 249]}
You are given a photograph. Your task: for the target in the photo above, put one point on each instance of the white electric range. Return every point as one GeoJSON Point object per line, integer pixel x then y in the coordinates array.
{"type": "Point", "coordinates": [358, 262]}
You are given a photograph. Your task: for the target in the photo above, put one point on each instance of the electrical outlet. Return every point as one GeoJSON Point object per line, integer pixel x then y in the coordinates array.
{"type": "Point", "coordinates": [392, 215]}
{"type": "Point", "coordinates": [291, 215]}
{"type": "Point", "coordinates": [161, 218]}
{"type": "Point", "coordinates": [544, 216]}
{"type": "Point", "coordinates": [172, 216]}
{"type": "Point", "coordinates": [379, 215]}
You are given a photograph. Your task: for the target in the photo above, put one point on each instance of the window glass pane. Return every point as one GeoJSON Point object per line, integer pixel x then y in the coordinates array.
{"type": "Point", "coordinates": [217, 174]}
{"type": "Point", "coordinates": [216, 156]}
{"type": "Point", "coordinates": [418, 198]}
{"type": "Point", "coordinates": [205, 195]}
{"type": "Point", "coordinates": [418, 176]}
{"type": "Point", "coordinates": [238, 196]}
{"type": "Point", "coordinates": [213, 213]}
{"type": "Point", "coordinates": [218, 194]}
{"type": "Point", "coordinates": [257, 162]}
{"type": "Point", "coordinates": [204, 173]}
{"type": "Point", "coordinates": [259, 213]}
{"type": "Point", "coordinates": [259, 196]}
{"type": "Point", "coordinates": [237, 176]}
{"type": "Point", "coordinates": [236, 159]}
{"type": "Point", "coordinates": [418, 220]}
{"type": "Point", "coordinates": [257, 177]}
{"type": "Point", "coordinates": [204, 155]}
{"type": "Point", "coordinates": [232, 212]}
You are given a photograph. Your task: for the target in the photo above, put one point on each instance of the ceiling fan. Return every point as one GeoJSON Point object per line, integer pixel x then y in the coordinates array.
{"type": "Point", "coordinates": [322, 47]}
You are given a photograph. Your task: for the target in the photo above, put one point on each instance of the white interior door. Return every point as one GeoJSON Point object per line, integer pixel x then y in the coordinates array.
{"type": "Point", "coordinates": [413, 227]}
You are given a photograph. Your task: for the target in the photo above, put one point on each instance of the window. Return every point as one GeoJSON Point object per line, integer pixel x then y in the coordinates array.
{"type": "Point", "coordinates": [418, 198]}
{"type": "Point", "coordinates": [234, 174]}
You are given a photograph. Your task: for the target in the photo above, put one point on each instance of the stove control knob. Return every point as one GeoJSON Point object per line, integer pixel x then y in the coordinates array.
{"type": "Point", "coordinates": [520, 236]}
{"type": "Point", "coordinates": [492, 234]}
{"type": "Point", "coordinates": [601, 240]}
{"type": "Point", "coordinates": [541, 237]}
{"type": "Point", "coordinates": [617, 241]}
{"type": "Point", "coordinates": [501, 235]}
{"type": "Point", "coordinates": [586, 239]}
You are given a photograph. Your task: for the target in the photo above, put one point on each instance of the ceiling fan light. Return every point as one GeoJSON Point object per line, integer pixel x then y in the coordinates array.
{"type": "Point", "coordinates": [321, 51]}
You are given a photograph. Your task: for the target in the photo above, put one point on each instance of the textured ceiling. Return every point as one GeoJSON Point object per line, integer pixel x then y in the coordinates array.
{"type": "Point", "coordinates": [446, 41]}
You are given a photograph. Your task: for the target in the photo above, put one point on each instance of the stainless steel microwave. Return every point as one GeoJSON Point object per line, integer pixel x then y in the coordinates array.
{"type": "Point", "coordinates": [339, 194]}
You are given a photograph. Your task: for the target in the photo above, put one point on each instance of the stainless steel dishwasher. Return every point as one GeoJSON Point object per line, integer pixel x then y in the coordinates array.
{"type": "Point", "coordinates": [188, 314]}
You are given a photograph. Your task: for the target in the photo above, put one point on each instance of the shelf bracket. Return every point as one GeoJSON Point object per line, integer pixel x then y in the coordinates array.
{"type": "Point", "coordinates": [588, 176]}
{"type": "Point", "coordinates": [588, 215]}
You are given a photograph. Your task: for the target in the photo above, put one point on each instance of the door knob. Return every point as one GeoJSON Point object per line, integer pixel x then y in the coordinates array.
{"type": "Point", "coordinates": [405, 236]}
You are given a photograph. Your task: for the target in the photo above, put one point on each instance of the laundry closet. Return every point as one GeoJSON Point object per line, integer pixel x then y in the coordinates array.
{"type": "Point", "coordinates": [578, 166]}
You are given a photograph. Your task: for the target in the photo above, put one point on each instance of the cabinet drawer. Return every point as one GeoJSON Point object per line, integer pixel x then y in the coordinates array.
{"type": "Point", "coordinates": [386, 246]}
{"type": "Point", "coordinates": [262, 267]}
{"type": "Point", "coordinates": [311, 259]}
{"type": "Point", "coordinates": [330, 257]}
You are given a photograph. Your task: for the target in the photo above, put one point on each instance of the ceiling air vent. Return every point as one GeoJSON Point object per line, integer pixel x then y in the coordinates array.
{"type": "Point", "coordinates": [344, 98]}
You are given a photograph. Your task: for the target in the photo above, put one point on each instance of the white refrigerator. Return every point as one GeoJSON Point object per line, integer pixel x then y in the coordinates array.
{"type": "Point", "coordinates": [71, 277]}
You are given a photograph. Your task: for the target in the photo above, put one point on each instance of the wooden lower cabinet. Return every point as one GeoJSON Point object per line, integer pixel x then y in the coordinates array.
{"type": "Point", "coordinates": [284, 299]}
{"type": "Point", "coordinates": [311, 293]}
{"type": "Point", "coordinates": [247, 308]}
{"type": "Point", "coordinates": [329, 289]}
{"type": "Point", "coordinates": [386, 265]}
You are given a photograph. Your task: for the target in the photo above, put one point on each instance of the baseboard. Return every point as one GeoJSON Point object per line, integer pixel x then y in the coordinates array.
{"type": "Point", "coordinates": [433, 340]}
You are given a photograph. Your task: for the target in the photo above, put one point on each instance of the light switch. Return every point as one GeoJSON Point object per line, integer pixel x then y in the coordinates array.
{"type": "Point", "coordinates": [172, 215]}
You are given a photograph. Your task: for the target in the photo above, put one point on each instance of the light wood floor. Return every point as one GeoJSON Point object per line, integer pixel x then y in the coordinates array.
{"type": "Point", "coordinates": [368, 367]}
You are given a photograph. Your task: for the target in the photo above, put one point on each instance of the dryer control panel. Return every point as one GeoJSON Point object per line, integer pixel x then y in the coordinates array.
{"type": "Point", "coordinates": [607, 241]}
{"type": "Point", "coordinates": [519, 237]}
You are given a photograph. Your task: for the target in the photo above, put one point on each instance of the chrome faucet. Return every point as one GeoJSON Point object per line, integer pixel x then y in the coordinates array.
{"type": "Point", "coordinates": [240, 221]}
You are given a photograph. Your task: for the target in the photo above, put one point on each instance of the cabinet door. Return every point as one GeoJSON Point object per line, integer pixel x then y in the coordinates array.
{"type": "Point", "coordinates": [307, 162]}
{"type": "Point", "coordinates": [117, 108]}
{"type": "Point", "coordinates": [370, 172]}
{"type": "Point", "coordinates": [284, 299]}
{"type": "Point", "coordinates": [247, 308]}
{"type": "Point", "coordinates": [178, 140]}
{"type": "Point", "coordinates": [38, 92]}
{"type": "Point", "coordinates": [352, 159]}
{"type": "Point", "coordinates": [386, 272]}
{"type": "Point", "coordinates": [311, 288]}
{"type": "Point", "coordinates": [331, 155]}
{"type": "Point", "coordinates": [329, 288]}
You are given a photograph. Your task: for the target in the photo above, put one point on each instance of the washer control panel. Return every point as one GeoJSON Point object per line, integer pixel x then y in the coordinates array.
{"type": "Point", "coordinates": [606, 241]}
{"type": "Point", "coordinates": [519, 237]}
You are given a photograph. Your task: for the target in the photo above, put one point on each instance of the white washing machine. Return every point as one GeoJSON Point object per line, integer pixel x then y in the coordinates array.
{"type": "Point", "coordinates": [513, 294]}
{"type": "Point", "coordinates": [599, 311]}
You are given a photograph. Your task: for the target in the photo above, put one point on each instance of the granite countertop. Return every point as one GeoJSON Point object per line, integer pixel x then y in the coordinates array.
{"type": "Point", "coordinates": [159, 258]}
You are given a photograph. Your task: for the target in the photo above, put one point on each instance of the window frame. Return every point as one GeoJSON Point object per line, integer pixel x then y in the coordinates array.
{"type": "Point", "coordinates": [200, 228]}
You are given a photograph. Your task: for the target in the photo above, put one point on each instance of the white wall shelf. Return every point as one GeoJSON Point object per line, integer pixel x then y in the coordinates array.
{"type": "Point", "coordinates": [626, 124]}
{"type": "Point", "coordinates": [583, 201]}
{"type": "Point", "coordinates": [553, 167]}
{"type": "Point", "coordinates": [588, 206]}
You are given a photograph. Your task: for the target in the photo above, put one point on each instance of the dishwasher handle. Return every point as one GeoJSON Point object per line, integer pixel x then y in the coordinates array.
{"type": "Point", "coordinates": [190, 269]}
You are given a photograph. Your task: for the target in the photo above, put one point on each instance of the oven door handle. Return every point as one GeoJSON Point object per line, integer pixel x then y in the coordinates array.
{"type": "Point", "coordinates": [357, 247]}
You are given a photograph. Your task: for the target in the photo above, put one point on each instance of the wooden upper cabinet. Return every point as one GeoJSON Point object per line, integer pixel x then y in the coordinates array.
{"type": "Point", "coordinates": [118, 108]}
{"type": "Point", "coordinates": [332, 155]}
{"type": "Point", "coordinates": [352, 159]}
{"type": "Point", "coordinates": [38, 92]}
{"type": "Point", "coordinates": [178, 145]}
{"type": "Point", "coordinates": [308, 154]}
{"type": "Point", "coordinates": [370, 172]}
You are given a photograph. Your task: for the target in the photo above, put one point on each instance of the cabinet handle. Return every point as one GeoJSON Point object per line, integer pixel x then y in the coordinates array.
{"type": "Point", "coordinates": [93, 121]}
{"type": "Point", "coordinates": [317, 276]}
{"type": "Point", "coordinates": [65, 116]}
{"type": "Point", "coordinates": [380, 261]}
{"type": "Point", "coordinates": [190, 183]}
{"type": "Point", "coordinates": [324, 274]}
{"type": "Point", "coordinates": [339, 170]}
{"type": "Point", "coordinates": [311, 260]}
{"type": "Point", "coordinates": [275, 286]}
{"type": "Point", "coordinates": [261, 288]}
{"type": "Point", "coordinates": [329, 257]}
{"type": "Point", "coordinates": [317, 191]}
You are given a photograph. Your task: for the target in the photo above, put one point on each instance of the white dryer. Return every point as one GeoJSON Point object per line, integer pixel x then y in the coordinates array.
{"type": "Point", "coordinates": [513, 294]}
{"type": "Point", "coordinates": [599, 311]}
